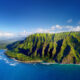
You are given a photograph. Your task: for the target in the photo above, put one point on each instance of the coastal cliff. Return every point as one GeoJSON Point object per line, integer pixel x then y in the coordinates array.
{"type": "Point", "coordinates": [55, 48]}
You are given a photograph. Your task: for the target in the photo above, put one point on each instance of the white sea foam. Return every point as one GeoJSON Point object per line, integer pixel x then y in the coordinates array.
{"type": "Point", "coordinates": [7, 61]}
{"type": "Point", "coordinates": [48, 63]}
{"type": "Point", "coordinates": [13, 64]}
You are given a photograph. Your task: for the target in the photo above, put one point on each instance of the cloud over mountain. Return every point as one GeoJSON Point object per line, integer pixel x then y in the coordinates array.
{"type": "Point", "coordinates": [53, 29]}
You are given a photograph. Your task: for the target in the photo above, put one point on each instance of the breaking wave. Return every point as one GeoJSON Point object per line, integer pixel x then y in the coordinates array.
{"type": "Point", "coordinates": [7, 60]}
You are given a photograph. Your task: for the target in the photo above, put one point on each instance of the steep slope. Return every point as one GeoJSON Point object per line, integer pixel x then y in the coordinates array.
{"type": "Point", "coordinates": [59, 48]}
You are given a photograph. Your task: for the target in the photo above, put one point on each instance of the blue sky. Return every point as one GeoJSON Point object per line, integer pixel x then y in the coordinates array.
{"type": "Point", "coordinates": [30, 16]}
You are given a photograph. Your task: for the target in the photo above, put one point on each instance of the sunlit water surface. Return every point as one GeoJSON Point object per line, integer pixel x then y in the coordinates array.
{"type": "Point", "coordinates": [13, 70]}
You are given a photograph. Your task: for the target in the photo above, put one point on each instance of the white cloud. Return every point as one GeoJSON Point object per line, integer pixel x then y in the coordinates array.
{"type": "Point", "coordinates": [69, 27]}
{"type": "Point", "coordinates": [53, 29]}
{"type": "Point", "coordinates": [69, 21]}
{"type": "Point", "coordinates": [76, 28]}
{"type": "Point", "coordinates": [72, 28]}
{"type": "Point", "coordinates": [11, 35]}
{"type": "Point", "coordinates": [6, 34]}
{"type": "Point", "coordinates": [49, 30]}
{"type": "Point", "coordinates": [24, 34]}
{"type": "Point", "coordinates": [40, 30]}
{"type": "Point", "coordinates": [58, 27]}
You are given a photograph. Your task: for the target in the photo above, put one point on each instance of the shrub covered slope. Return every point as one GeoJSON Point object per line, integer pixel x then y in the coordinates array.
{"type": "Point", "coordinates": [59, 47]}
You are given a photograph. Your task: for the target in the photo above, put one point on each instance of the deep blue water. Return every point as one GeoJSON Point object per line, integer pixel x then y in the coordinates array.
{"type": "Point", "coordinates": [13, 70]}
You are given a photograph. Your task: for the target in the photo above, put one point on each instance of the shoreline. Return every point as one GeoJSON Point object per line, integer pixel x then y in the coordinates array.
{"type": "Point", "coordinates": [41, 62]}
{"type": "Point", "coordinates": [33, 61]}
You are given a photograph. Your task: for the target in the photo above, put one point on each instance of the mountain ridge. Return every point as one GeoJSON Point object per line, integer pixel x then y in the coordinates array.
{"type": "Point", "coordinates": [57, 48]}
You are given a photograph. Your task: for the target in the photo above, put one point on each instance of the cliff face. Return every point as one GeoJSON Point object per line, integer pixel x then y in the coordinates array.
{"type": "Point", "coordinates": [59, 48]}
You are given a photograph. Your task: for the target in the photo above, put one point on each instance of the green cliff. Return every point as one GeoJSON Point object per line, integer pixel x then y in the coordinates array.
{"type": "Point", "coordinates": [57, 48]}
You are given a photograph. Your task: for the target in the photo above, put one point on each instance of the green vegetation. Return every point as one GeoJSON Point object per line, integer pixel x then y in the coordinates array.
{"type": "Point", "coordinates": [60, 48]}
{"type": "Point", "coordinates": [18, 56]}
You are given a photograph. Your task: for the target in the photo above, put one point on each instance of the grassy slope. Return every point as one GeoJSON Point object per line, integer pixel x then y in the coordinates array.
{"type": "Point", "coordinates": [59, 47]}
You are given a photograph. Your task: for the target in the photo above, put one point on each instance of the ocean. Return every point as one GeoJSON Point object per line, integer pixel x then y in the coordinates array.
{"type": "Point", "coordinates": [14, 70]}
